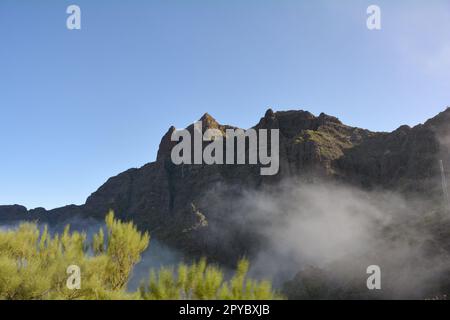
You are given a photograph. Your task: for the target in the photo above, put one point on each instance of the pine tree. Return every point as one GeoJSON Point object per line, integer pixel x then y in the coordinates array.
{"type": "Point", "coordinates": [33, 265]}
{"type": "Point", "coordinates": [201, 281]}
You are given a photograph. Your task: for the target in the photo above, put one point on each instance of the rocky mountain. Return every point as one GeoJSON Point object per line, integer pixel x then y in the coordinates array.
{"type": "Point", "coordinates": [191, 206]}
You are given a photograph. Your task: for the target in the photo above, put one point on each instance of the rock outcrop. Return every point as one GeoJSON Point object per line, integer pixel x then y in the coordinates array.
{"type": "Point", "coordinates": [186, 205]}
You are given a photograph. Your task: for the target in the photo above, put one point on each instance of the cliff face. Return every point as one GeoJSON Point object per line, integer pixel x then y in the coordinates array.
{"type": "Point", "coordinates": [185, 205]}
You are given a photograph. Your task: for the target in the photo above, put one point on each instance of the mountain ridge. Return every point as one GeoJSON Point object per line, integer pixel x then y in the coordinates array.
{"type": "Point", "coordinates": [168, 199]}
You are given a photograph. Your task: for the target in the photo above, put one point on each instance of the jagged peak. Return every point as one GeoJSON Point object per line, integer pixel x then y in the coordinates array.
{"type": "Point", "coordinates": [208, 122]}
{"type": "Point", "coordinates": [207, 116]}
{"type": "Point", "coordinates": [327, 118]}
{"type": "Point", "coordinates": [269, 113]}
{"type": "Point", "coordinates": [166, 144]}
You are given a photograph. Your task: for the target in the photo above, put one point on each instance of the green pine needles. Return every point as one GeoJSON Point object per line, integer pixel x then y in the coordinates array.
{"type": "Point", "coordinates": [200, 281]}
{"type": "Point", "coordinates": [34, 265]}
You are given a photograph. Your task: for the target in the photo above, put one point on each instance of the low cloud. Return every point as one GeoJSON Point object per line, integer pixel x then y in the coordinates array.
{"type": "Point", "coordinates": [341, 230]}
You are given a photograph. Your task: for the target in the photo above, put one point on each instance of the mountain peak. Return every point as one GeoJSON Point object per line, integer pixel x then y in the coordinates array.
{"type": "Point", "coordinates": [208, 122]}
{"type": "Point", "coordinates": [269, 113]}
{"type": "Point", "coordinates": [207, 116]}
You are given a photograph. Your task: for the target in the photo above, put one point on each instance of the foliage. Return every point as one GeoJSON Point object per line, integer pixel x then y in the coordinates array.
{"type": "Point", "coordinates": [330, 142]}
{"type": "Point", "coordinates": [201, 281]}
{"type": "Point", "coordinates": [33, 265]}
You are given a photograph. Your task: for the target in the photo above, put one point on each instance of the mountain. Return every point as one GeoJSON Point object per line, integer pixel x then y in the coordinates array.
{"type": "Point", "coordinates": [191, 206]}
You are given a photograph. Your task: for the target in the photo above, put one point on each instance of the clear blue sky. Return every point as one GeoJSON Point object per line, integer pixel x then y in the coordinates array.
{"type": "Point", "coordinates": [80, 106]}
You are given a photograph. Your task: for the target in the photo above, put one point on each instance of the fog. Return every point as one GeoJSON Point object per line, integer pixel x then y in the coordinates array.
{"type": "Point", "coordinates": [341, 230]}
{"type": "Point", "coordinates": [322, 229]}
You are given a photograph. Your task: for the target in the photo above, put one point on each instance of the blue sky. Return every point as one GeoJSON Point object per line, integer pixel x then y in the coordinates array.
{"type": "Point", "coordinates": [80, 106]}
